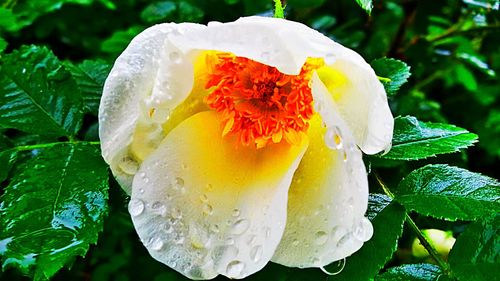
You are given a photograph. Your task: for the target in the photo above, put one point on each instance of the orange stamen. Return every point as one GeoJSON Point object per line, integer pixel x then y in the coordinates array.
{"type": "Point", "coordinates": [257, 101]}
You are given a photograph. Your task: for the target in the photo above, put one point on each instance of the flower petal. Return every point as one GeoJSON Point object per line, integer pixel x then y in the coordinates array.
{"type": "Point", "coordinates": [133, 84]}
{"type": "Point", "coordinates": [286, 45]}
{"type": "Point", "coordinates": [205, 205]}
{"type": "Point", "coordinates": [361, 100]}
{"type": "Point", "coordinates": [328, 196]}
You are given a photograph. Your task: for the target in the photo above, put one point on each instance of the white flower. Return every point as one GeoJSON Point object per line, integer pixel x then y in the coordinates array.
{"type": "Point", "coordinates": [238, 144]}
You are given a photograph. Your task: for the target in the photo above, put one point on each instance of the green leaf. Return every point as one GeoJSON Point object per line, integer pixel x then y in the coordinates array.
{"type": "Point", "coordinates": [387, 218]}
{"type": "Point", "coordinates": [53, 210]}
{"type": "Point", "coordinates": [476, 253]}
{"type": "Point", "coordinates": [278, 10]}
{"type": "Point", "coordinates": [90, 76]}
{"type": "Point", "coordinates": [3, 44]}
{"type": "Point", "coordinates": [159, 11]}
{"type": "Point", "coordinates": [413, 139]}
{"type": "Point", "coordinates": [413, 272]}
{"type": "Point", "coordinates": [7, 20]}
{"type": "Point", "coordinates": [367, 5]}
{"type": "Point", "coordinates": [37, 94]}
{"type": "Point", "coordinates": [120, 40]}
{"type": "Point", "coordinates": [189, 13]}
{"type": "Point", "coordinates": [394, 73]}
{"type": "Point", "coordinates": [449, 192]}
{"type": "Point", "coordinates": [477, 62]}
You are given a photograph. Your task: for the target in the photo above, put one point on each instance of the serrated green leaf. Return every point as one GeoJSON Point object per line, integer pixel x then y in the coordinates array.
{"type": "Point", "coordinates": [449, 192]}
{"type": "Point", "coordinates": [53, 210]}
{"type": "Point", "coordinates": [476, 253]}
{"type": "Point", "coordinates": [413, 272]}
{"type": "Point", "coordinates": [394, 73]}
{"type": "Point", "coordinates": [159, 11]}
{"type": "Point", "coordinates": [413, 139]}
{"type": "Point", "coordinates": [278, 9]}
{"type": "Point", "coordinates": [37, 94]}
{"type": "Point", "coordinates": [90, 76]}
{"type": "Point", "coordinates": [387, 218]}
{"type": "Point", "coordinates": [367, 5]}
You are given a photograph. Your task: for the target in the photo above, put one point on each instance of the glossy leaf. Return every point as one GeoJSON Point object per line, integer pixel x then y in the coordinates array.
{"type": "Point", "coordinates": [387, 218]}
{"type": "Point", "coordinates": [476, 254]}
{"type": "Point", "coordinates": [413, 272]}
{"type": "Point", "coordinates": [413, 139]}
{"type": "Point", "coordinates": [394, 73]}
{"type": "Point", "coordinates": [37, 94]}
{"type": "Point", "coordinates": [367, 5]}
{"type": "Point", "coordinates": [53, 209]}
{"type": "Point", "coordinates": [90, 76]}
{"type": "Point", "coordinates": [449, 192]}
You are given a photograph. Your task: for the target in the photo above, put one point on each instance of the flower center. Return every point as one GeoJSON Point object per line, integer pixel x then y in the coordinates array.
{"type": "Point", "coordinates": [258, 102]}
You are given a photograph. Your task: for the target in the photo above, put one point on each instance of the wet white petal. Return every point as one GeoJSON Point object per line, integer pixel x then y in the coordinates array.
{"type": "Point", "coordinates": [212, 206]}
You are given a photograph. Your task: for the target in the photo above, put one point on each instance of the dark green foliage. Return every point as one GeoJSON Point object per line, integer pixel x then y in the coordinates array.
{"type": "Point", "coordinates": [449, 192]}
{"type": "Point", "coordinates": [393, 73]}
{"type": "Point", "coordinates": [38, 95]}
{"type": "Point", "coordinates": [53, 209]}
{"type": "Point", "coordinates": [413, 272]}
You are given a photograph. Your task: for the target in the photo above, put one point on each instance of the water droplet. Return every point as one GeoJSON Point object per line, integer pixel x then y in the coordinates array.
{"type": "Point", "coordinates": [315, 261]}
{"type": "Point", "coordinates": [146, 180]}
{"type": "Point", "coordinates": [343, 240]}
{"type": "Point", "coordinates": [135, 207]}
{"type": "Point", "coordinates": [229, 241]}
{"type": "Point", "coordinates": [236, 213]}
{"type": "Point", "coordinates": [167, 227]}
{"type": "Point", "coordinates": [240, 226]}
{"type": "Point", "coordinates": [256, 253]}
{"type": "Point", "coordinates": [204, 198]}
{"type": "Point", "coordinates": [251, 239]}
{"type": "Point", "coordinates": [320, 237]}
{"type": "Point", "coordinates": [345, 156]}
{"type": "Point", "coordinates": [141, 190]}
{"type": "Point", "coordinates": [184, 166]}
{"type": "Point", "coordinates": [234, 269]}
{"type": "Point", "coordinates": [215, 228]}
{"type": "Point", "coordinates": [334, 268]}
{"type": "Point", "coordinates": [155, 243]}
{"type": "Point", "coordinates": [333, 139]}
{"type": "Point", "coordinates": [128, 165]}
{"type": "Point", "coordinates": [295, 242]}
{"type": "Point", "coordinates": [221, 252]}
{"type": "Point", "coordinates": [158, 207]}
{"type": "Point", "coordinates": [179, 183]}
{"type": "Point", "coordinates": [142, 174]}
{"type": "Point", "coordinates": [364, 230]}
{"type": "Point", "coordinates": [179, 239]}
{"type": "Point", "coordinates": [175, 57]}
{"type": "Point", "coordinates": [176, 213]}
{"type": "Point", "coordinates": [207, 209]}
{"type": "Point", "coordinates": [209, 187]}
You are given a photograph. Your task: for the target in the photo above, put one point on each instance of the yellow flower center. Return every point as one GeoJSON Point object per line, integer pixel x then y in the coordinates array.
{"type": "Point", "coordinates": [257, 102]}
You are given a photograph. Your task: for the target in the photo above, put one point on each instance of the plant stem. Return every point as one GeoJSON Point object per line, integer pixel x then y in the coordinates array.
{"type": "Point", "coordinates": [421, 237]}
{"type": "Point", "coordinates": [44, 145]}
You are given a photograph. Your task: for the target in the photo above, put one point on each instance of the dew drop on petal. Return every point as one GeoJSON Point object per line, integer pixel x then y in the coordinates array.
{"type": "Point", "coordinates": [176, 213]}
{"type": "Point", "coordinates": [256, 253]}
{"type": "Point", "coordinates": [229, 241]}
{"type": "Point", "coordinates": [128, 165]}
{"type": "Point", "coordinates": [295, 242]}
{"type": "Point", "coordinates": [207, 209]}
{"type": "Point", "coordinates": [334, 268]}
{"type": "Point", "coordinates": [155, 243]}
{"type": "Point", "coordinates": [236, 212]}
{"type": "Point", "coordinates": [240, 226]}
{"type": "Point", "coordinates": [135, 207]}
{"type": "Point", "coordinates": [234, 269]}
{"type": "Point", "coordinates": [320, 237]}
{"type": "Point", "coordinates": [333, 139]}
{"type": "Point", "coordinates": [364, 230]}
{"type": "Point", "coordinates": [203, 198]}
